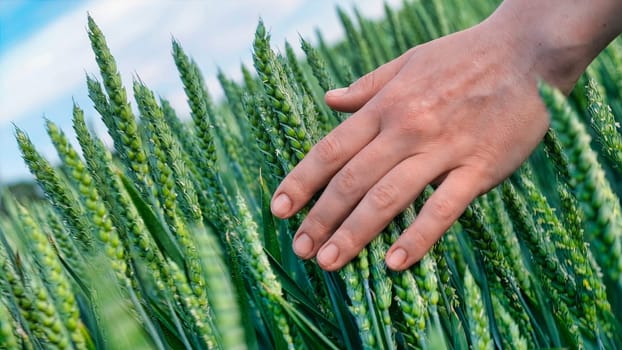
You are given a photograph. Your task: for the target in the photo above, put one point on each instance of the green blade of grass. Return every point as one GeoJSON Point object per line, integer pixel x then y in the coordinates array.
{"type": "Point", "coordinates": [345, 321]}
{"type": "Point", "coordinates": [300, 296]}
{"type": "Point", "coordinates": [161, 235]}
{"type": "Point", "coordinates": [271, 241]}
{"type": "Point", "coordinates": [316, 339]}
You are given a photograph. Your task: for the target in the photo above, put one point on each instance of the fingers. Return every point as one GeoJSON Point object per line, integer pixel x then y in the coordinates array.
{"type": "Point", "coordinates": [355, 96]}
{"type": "Point", "coordinates": [344, 191]}
{"type": "Point", "coordinates": [322, 162]}
{"type": "Point", "coordinates": [439, 212]}
{"type": "Point", "coordinates": [387, 198]}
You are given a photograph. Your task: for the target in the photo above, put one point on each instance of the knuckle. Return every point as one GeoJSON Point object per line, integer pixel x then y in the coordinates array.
{"type": "Point", "coordinates": [366, 82]}
{"type": "Point", "coordinates": [442, 209]}
{"type": "Point", "coordinates": [295, 185]}
{"type": "Point", "coordinates": [383, 196]}
{"type": "Point", "coordinates": [420, 241]}
{"type": "Point", "coordinates": [416, 242]}
{"type": "Point", "coordinates": [350, 242]}
{"type": "Point", "coordinates": [484, 175]}
{"type": "Point", "coordinates": [430, 123]}
{"type": "Point", "coordinates": [346, 181]}
{"type": "Point", "coordinates": [328, 149]}
{"type": "Point", "coordinates": [425, 241]}
{"type": "Point", "coordinates": [317, 226]}
{"type": "Point", "coordinates": [423, 123]}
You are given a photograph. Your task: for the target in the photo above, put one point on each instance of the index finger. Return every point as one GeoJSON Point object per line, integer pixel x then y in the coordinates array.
{"type": "Point", "coordinates": [322, 162]}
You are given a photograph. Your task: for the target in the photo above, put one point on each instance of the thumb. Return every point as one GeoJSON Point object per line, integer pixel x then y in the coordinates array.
{"type": "Point", "coordinates": [355, 96]}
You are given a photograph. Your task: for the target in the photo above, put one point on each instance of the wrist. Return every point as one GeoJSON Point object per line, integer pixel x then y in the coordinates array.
{"type": "Point", "coordinates": [558, 38]}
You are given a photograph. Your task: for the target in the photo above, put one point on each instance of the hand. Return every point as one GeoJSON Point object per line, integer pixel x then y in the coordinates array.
{"type": "Point", "coordinates": [462, 112]}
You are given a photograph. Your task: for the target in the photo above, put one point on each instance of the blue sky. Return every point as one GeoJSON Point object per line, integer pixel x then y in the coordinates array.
{"type": "Point", "coordinates": [45, 53]}
{"type": "Point", "coordinates": [21, 18]}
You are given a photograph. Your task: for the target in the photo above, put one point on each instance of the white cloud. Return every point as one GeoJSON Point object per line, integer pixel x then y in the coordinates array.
{"type": "Point", "coordinates": [48, 67]}
{"type": "Point", "coordinates": [42, 68]}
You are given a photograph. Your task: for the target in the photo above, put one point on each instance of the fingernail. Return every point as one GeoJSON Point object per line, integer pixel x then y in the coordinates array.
{"type": "Point", "coordinates": [281, 205]}
{"type": "Point", "coordinates": [303, 245]}
{"type": "Point", "coordinates": [397, 258]}
{"type": "Point", "coordinates": [328, 255]}
{"type": "Point", "coordinates": [337, 92]}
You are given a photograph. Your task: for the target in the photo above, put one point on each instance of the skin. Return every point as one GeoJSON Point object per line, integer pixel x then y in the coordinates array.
{"type": "Point", "coordinates": [461, 112]}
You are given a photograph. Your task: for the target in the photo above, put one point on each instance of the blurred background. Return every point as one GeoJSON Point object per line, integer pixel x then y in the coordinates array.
{"type": "Point", "coordinates": [45, 53]}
